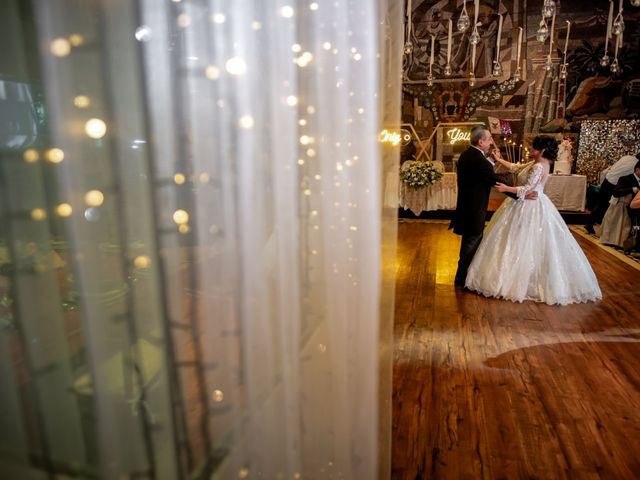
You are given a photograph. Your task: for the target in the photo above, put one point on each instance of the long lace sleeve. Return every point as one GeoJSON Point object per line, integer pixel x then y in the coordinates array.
{"type": "Point", "coordinates": [533, 180]}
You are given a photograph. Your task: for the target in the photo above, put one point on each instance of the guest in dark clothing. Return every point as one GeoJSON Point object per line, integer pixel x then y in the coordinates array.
{"type": "Point", "coordinates": [622, 167]}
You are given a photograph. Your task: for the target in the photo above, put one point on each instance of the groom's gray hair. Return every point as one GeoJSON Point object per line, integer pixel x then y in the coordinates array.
{"type": "Point", "coordinates": [477, 134]}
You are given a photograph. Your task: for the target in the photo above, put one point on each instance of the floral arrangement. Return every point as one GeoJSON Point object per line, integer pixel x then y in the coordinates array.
{"type": "Point", "coordinates": [419, 175]}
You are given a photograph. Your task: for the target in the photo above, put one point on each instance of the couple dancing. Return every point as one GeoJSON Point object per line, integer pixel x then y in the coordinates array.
{"type": "Point", "coordinates": [527, 252]}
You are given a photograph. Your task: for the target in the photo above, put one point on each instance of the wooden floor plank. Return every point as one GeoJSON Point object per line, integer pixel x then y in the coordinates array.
{"type": "Point", "coordinates": [486, 388]}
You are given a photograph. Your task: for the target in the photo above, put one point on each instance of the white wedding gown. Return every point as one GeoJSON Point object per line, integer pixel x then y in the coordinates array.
{"type": "Point", "coordinates": [528, 253]}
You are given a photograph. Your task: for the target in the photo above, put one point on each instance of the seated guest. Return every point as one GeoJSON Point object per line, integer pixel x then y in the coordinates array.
{"type": "Point", "coordinates": [634, 213]}
{"type": "Point", "coordinates": [616, 223]}
{"type": "Point", "coordinates": [621, 168]}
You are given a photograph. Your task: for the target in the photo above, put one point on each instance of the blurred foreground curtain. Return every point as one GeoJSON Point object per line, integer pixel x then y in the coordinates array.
{"type": "Point", "coordinates": [197, 269]}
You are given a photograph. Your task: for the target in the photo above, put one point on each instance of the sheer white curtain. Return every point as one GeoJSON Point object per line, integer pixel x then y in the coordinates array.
{"type": "Point", "coordinates": [231, 255]}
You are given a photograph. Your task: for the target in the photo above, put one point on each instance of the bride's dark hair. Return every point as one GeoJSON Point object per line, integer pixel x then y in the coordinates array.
{"type": "Point", "coordinates": [549, 145]}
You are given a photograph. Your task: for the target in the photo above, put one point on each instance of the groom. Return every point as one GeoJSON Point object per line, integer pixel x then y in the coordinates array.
{"type": "Point", "coordinates": [475, 179]}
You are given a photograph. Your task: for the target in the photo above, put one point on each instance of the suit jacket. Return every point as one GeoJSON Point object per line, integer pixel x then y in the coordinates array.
{"type": "Point", "coordinates": [475, 179]}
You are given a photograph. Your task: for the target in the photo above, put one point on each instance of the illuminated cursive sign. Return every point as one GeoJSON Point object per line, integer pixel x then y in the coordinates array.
{"type": "Point", "coordinates": [455, 135]}
{"type": "Point", "coordinates": [394, 138]}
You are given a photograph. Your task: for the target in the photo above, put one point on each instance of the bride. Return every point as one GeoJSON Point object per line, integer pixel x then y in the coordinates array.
{"type": "Point", "coordinates": [527, 252]}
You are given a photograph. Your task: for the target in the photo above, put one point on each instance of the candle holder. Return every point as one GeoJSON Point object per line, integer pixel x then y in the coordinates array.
{"type": "Point", "coordinates": [447, 70]}
{"type": "Point", "coordinates": [548, 65]}
{"type": "Point", "coordinates": [472, 79]}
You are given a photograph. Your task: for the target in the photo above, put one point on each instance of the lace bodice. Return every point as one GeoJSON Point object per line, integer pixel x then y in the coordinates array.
{"type": "Point", "coordinates": [532, 179]}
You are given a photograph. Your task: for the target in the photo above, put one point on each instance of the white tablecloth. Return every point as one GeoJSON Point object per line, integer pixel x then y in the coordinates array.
{"type": "Point", "coordinates": [442, 195]}
{"type": "Point", "coordinates": [567, 192]}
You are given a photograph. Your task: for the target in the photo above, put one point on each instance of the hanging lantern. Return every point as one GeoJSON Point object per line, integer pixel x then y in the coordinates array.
{"type": "Point", "coordinates": [447, 70]}
{"type": "Point", "coordinates": [635, 3]}
{"type": "Point", "coordinates": [604, 61]}
{"type": "Point", "coordinates": [472, 79]}
{"type": "Point", "coordinates": [548, 65]}
{"type": "Point", "coordinates": [543, 32]}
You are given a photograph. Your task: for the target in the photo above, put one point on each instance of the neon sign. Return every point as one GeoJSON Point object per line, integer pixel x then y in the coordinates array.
{"type": "Point", "coordinates": [455, 135]}
{"type": "Point", "coordinates": [394, 138]}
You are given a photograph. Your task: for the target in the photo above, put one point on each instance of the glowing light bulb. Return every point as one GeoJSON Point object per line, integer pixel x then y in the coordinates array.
{"type": "Point", "coordinates": [81, 101]}
{"type": "Point", "coordinates": [64, 210]}
{"type": "Point", "coordinates": [94, 198]}
{"type": "Point", "coordinates": [54, 155]}
{"type": "Point", "coordinates": [246, 122]}
{"type": "Point", "coordinates": [95, 128]}
{"type": "Point", "coordinates": [142, 261]}
{"type": "Point", "coordinates": [38, 214]}
{"type": "Point", "coordinates": [236, 66]}
{"type": "Point", "coordinates": [212, 72]}
{"type": "Point", "coordinates": [60, 47]}
{"type": "Point", "coordinates": [30, 155]}
{"type": "Point", "coordinates": [287, 11]}
{"type": "Point", "coordinates": [181, 217]}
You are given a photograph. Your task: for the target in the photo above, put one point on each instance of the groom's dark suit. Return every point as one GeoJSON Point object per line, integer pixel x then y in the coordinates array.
{"type": "Point", "coordinates": [475, 179]}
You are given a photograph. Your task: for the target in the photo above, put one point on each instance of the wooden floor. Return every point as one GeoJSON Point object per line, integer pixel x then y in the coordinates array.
{"type": "Point", "coordinates": [490, 389]}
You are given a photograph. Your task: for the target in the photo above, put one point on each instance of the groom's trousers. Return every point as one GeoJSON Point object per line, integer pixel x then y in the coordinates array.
{"type": "Point", "coordinates": [468, 247]}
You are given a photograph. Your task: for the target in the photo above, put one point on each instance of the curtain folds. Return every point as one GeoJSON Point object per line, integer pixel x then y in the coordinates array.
{"type": "Point", "coordinates": [200, 219]}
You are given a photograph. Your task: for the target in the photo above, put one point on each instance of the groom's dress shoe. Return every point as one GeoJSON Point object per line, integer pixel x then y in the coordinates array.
{"type": "Point", "coordinates": [589, 229]}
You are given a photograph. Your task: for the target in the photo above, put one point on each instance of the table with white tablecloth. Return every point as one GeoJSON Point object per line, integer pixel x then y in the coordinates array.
{"type": "Point", "coordinates": [567, 192]}
{"type": "Point", "coordinates": [442, 195]}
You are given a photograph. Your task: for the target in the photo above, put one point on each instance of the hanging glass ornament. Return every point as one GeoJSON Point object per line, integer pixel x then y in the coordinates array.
{"type": "Point", "coordinates": [548, 8]}
{"type": "Point", "coordinates": [543, 32]}
{"type": "Point", "coordinates": [472, 79]}
{"type": "Point", "coordinates": [615, 66]}
{"type": "Point", "coordinates": [474, 38]}
{"type": "Point", "coordinates": [516, 76]}
{"type": "Point", "coordinates": [447, 70]}
{"type": "Point", "coordinates": [604, 61]}
{"type": "Point", "coordinates": [463, 22]}
{"type": "Point", "coordinates": [618, 25]}
{"type": "Point", "coordinates": [408, 48]}
{"type": "Point", "coordinates": [497, 69]}
{"type": "Point", "coordinates": [635, 3]}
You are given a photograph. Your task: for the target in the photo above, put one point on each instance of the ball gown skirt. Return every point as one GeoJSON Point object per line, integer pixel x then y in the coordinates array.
{"type": "Point", "coordinates": [528, 253]}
